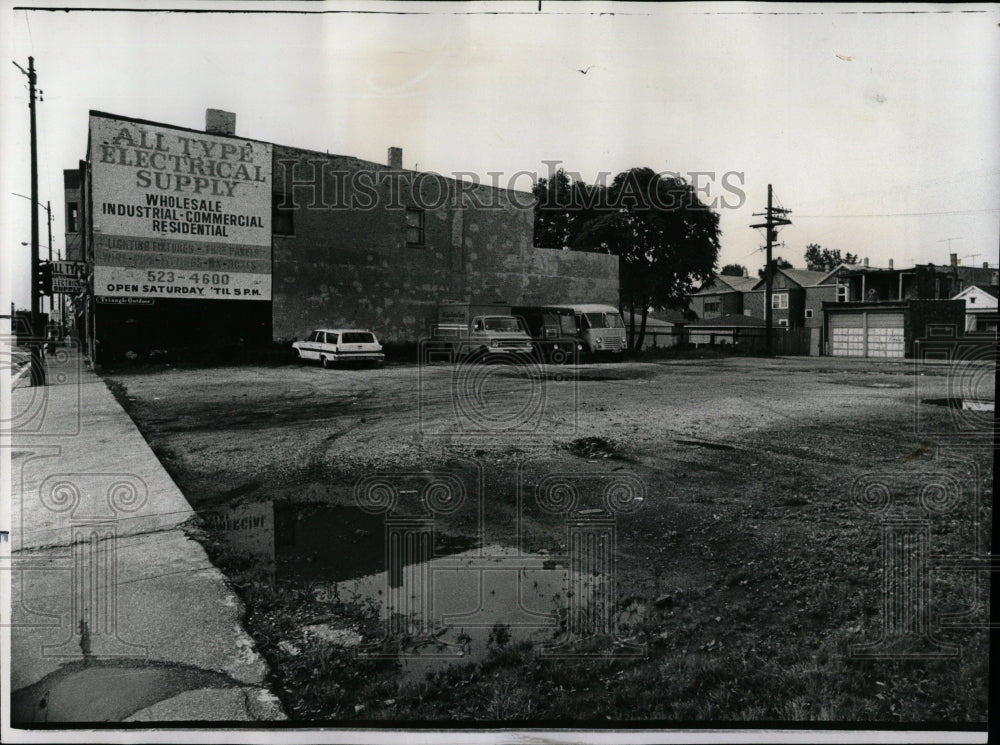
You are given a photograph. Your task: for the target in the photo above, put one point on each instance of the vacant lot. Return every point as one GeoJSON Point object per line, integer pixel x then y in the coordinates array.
{"type": "Point", "coordinates": [773, 518]}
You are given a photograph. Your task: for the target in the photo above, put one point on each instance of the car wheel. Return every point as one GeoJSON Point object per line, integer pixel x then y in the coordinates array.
{"type": "Point", "coordinates": [326, 362]}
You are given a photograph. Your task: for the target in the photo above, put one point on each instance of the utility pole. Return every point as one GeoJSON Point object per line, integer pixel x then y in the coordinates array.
{"type": "Point", "coordinates": [48, 213]}
{"type": "Point", "coordinates": [774, 216]}
{"type": "Point", "coordinates": [37, 369]}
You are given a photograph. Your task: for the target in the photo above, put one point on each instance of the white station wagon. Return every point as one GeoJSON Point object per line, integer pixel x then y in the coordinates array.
{"type": "Point", "coordinates": [329, 346]}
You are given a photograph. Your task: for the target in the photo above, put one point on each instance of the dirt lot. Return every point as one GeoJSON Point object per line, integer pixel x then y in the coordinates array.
{"type": "Point", "coordinates": [750, 574]}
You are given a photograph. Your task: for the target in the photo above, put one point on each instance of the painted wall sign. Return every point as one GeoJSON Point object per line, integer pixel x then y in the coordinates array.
{"type": "Point", "coordinates": [69, 277]}
{"type": "Point", "coordinates": [179, 214]}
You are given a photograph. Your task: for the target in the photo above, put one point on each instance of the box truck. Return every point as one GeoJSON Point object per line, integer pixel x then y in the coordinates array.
{"type": "Point", "coordinates": [552, 330]}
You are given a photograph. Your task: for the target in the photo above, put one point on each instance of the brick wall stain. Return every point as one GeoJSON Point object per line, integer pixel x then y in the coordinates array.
{"type": "Point", "coordinates": [352, 267]}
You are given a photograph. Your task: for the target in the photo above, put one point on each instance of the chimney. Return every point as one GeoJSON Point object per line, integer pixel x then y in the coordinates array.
{"type": "Point", "coordinates": [890, 263]}
{"type": "Point", "coordinates": [219, 122]}
{"type": "Point", "coordinates": [986, 265]}
{"type": "Point", "coordinates": [866, 262]}
{"type": "Point", "coordinates": [396, 158]}
{"type": "Point", "coordinates": [954, 259]}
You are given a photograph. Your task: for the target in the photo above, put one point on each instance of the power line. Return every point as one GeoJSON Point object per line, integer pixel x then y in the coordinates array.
{"type": "Point", "coordinates": [910, 214]}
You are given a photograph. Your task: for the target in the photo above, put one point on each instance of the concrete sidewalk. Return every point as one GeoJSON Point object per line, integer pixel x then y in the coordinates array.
{"type": "Point", "coordinates": [116, 614]}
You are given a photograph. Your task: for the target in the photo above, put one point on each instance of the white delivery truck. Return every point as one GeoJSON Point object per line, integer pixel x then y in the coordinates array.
{"type": "Point", "coordinates": [599, 328]}
{"type": "Point", "coordinates": [479, 330]}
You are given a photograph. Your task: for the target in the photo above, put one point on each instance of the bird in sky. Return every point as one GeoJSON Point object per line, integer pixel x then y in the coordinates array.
{"type": "Point", "coordinates": [584, 72]}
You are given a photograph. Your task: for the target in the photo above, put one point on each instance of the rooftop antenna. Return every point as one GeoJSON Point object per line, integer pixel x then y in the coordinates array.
{"type": "Point", "coordinates": [953, 238]}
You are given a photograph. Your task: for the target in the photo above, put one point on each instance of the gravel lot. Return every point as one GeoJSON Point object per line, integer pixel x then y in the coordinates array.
{"type": "Point", "coordinates": [748, 524]}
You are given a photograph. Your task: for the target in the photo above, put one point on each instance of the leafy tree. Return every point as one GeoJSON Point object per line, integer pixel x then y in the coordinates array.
{"type": "Point", "coordinates": [779, 263]}
{"type": "Point", "coordinates": [665, 238]}
{"type": "Point", "coordinates": [733, 270]}
{"type": "Point", "coordinates": [562, 207]}
{"type": "Point", "coordinates": [820, 259]}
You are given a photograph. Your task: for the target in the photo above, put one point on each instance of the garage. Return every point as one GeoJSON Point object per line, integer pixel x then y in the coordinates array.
{"type": "Point", "coordinates": [867, 333]}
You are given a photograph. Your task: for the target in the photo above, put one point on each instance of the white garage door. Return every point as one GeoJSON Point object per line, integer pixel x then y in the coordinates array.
{"type": "Point", "coordinates": [847, 335]}
{"type": "Point", "coordinates": [885, 337]}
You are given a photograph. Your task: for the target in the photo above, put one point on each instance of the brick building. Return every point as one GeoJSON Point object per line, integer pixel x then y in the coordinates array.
{"type": "Point", "coordinates": [202, 238]}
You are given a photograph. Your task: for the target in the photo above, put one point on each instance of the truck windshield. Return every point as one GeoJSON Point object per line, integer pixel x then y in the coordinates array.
{"type": "Point", "coordinates": [501, 323]}
{"type": "Point", "coordinates": [565, 323]}
{"type": "Point", "coordinates": [604, 320]}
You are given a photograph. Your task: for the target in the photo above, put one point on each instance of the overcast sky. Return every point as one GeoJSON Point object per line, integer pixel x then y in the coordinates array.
{"type": "Point", "coordinates": [879, 130]}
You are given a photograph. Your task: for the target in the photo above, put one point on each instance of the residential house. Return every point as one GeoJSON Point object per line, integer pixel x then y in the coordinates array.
{"type": "Point", "coordinates": [981, 314]}
{"type": "Point", "coordinates": [884, 312]}
{"type": "Point", "coordinates": [721, 297]}
{"type": "Point", "coordinates": [796, 295]}
{"type": "Point", "coordinates": [796, 301]}
{"type": "Point", "coordinates": [922, 282]}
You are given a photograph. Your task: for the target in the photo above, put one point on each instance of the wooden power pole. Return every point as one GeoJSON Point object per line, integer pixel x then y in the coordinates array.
{"type": "Point", "coordinates": [37, 332]}
{"type": "Point", "coordinates": [773, 218]}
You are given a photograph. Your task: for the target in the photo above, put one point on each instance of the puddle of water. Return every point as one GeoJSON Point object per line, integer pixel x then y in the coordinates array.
{"type": "Point", "coordinates": [443, 612]}
{"type": "Point", "coordinates": [966, 404]}
{"type": "Point", "coordinates": [310, 541]}
{"type": "Point", "coordinates": [325, 541]}
{"type": "Point", "coordinates": [438, 599]}
{"type": "Point", "coordinates": [106, 691]}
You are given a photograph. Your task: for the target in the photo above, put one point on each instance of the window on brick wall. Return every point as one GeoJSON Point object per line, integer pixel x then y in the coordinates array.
{"type": "Point", "coordinates": [809, 312]}
{"type": "Point", "coordinates": [783, 322]}
{"type": "Point", "coordinates": [713, 307]}
{"type": "Point", "coordinates": [282, 218]}
{"type": "Point", "coordinates": [779, 300]}
{"type": "Point", "coordinates": [842, 293]}
{"type": "Point", "coordinates": [414, 227]}
{"type": "Point", "coordinates": [72, 217]}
